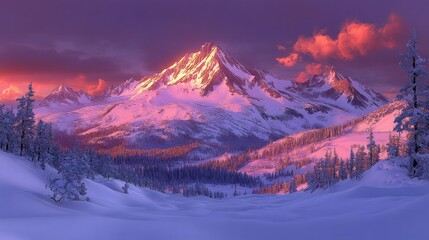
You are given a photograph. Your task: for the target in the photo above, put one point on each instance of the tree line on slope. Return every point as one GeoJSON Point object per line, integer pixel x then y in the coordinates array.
{"type": "Point", "coordinates": [331, 169]}
{"type": "Point", "coordinates": [413, 120]}
{"type": "Point", "coordinates": [20, 135]}
{"type": "Point", "coordinates": [288, 144]}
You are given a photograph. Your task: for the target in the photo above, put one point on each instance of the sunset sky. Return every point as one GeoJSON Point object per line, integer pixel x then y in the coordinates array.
{"type": "Point", "coordinates": [91, 44]}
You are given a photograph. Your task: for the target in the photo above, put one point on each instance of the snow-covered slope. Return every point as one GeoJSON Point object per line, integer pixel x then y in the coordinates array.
{"type": "Point", "coordinates": [209, 97]}
{"type": "Point", "coordinates": [62, 99]}
{"type": "Point", "coordinates": [384, 204]}
{"type": "Point", "coordinates": [380, 121]}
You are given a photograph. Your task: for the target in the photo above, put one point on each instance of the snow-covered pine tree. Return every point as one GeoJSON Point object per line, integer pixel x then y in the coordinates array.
{"type": "Point", "coordinates": [373, 150]}
{"type": "Point", "coordinates": [105, 166]}
{"type": "Point", "coordinates": [326, 178]}
{"type": "Point", "coordinates": [84, 165]}
{"type": "Point", "coordinates": [25, 121]}
{"type": "Point", "coordinates": [3, 127]}
{"type": "Point", "coordinates": [43, 143]}
{"type": "Point", "coordinates": [335, 164]}
{"type": "Point", "coordinates": [276, 186]}
{"type": "Point", "coordinates": [360, 161]}
{"type": "Point", "coordinates": [2, 123]}
{"type": "Point", "coordinates": [11, 138]}
{"type": "Point", "coordinates": [377, 153]}
{"type": "Point", "coordinates": [311, 181]}
{"type": "Point", "coordinates": [94, 163]}
{"type": "Point", "coordinates": [393, 146]}
{"type": "Point", "coordinates": [352, 165]}
{"type": "Point", "coordinates": [69, 185]}
{"type": "Point", "coordinates": [342, 172]}
{"type": "Point", "coordinates": [55, 160]}
{"type": "Point", "coordinates": [292, 186]}
{"type": "Point", "coordinates": [415, 116]}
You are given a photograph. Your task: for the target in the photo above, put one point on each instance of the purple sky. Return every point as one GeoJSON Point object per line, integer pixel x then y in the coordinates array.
{"type": "Point", "coordinates": [79, 42]}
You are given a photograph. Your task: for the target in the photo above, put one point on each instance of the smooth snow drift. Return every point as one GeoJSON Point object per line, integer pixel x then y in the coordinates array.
{"type": "Point", "coordinates": [384, 204]}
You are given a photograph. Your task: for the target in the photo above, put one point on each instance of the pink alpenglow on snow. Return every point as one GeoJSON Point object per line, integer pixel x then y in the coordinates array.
{"type": "Point", "coordinates": [214, 120]}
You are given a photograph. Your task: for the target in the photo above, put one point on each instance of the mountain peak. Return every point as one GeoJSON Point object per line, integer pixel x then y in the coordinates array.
{"type": "Point", "coordinates": [332, 85]}
{"type": "Point", "coordinates": [65, 94]}
{"type": "Point", "coordinates": [334, 75]}
{"type": "Point", "coordinates": [208, 47]}
{"type": "Point", "coordinates": [115, 90]}
{"type": "Point", "coordinates": [62, 88]}
{"type": "Point", "coordinates": [203, 70]}
{"type": "Point", "coordinates": [211, 52]}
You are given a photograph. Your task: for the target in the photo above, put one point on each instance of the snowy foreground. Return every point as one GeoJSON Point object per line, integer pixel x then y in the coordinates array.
{"type": "Point", "coordinates": [384, 204]}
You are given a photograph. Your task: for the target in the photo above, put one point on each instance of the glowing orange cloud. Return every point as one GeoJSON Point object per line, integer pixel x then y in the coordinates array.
{"type": "Point", "coordinates": [11, 90]}
{"type": "Point", "coordinates": [10, 93]}
{"type": "Point", "coordinates": [310, 70]}
{"type": "Point", "coordinates": [354, 39]}
{"type": "Point", "coordinates": [99, 88]}
{"type": "Point", "coordinates": [318, 46]}
{"type": "Point", "coordinates": [290, 60]}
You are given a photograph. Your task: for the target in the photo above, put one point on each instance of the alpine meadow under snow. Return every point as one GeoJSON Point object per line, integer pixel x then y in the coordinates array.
{"type": "Point", "coordinates": [211, 149]}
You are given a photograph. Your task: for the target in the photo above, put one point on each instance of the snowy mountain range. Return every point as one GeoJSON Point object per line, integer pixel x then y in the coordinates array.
{"type": "Point", "coordinates": [210, 98]}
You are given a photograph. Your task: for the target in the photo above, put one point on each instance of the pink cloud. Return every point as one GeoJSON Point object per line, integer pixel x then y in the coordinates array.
{"type": "Point", "coordinates": [354, 39]}
{"type": "Point", "coordinates": [11, 93]}
{"type": "Point", "coordinates": [310, 70]}
{"type": "Point", "coordinates": [99, 88]}
{"type": "Point", "coordinates": [290, 60]}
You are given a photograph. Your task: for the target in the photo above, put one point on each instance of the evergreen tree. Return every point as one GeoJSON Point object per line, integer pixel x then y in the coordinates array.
{"type": "Point", "coordinates": [7, 134]}
{"type": "Point", "coordinates": [235, 193]}
{"type": "Point", "coordinates": [43, 143]}
{"type": "Point", "coordinates": [84, 165]}
{"type": "Point", "coordinates": [322, 176]}
{"type": "Point", "coordinates": [393, 146]}
{"type": "Point", "coordinates": [292, 186]}
{"type": "Point", "coordinates": [373, 150]}
{"type": "Point", "coordinates": [361, 161]}
{"type": "Point", "coordinates": [311, 181]}
{"type": "Point", "coordinates": [414, 117]}
{"type": "Point", "coordinates": [335, 163]}
{"type": "Point", "coordinates": [325, 175]}
{"type": "Point", "coordinates": [105, 167]}
{"type": "Point", "coordinates": [343, 171]}
{"type": "Point", "coordinates": [2, 127]}
{"type": "Point", "coordinates": [55, 159]}
{"type": "Point", "coordinates": [69, 185]}
{"type": "Point", "coordinates": [352, 165]}
{"type": "Point", "coordinates": [25, 121]}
